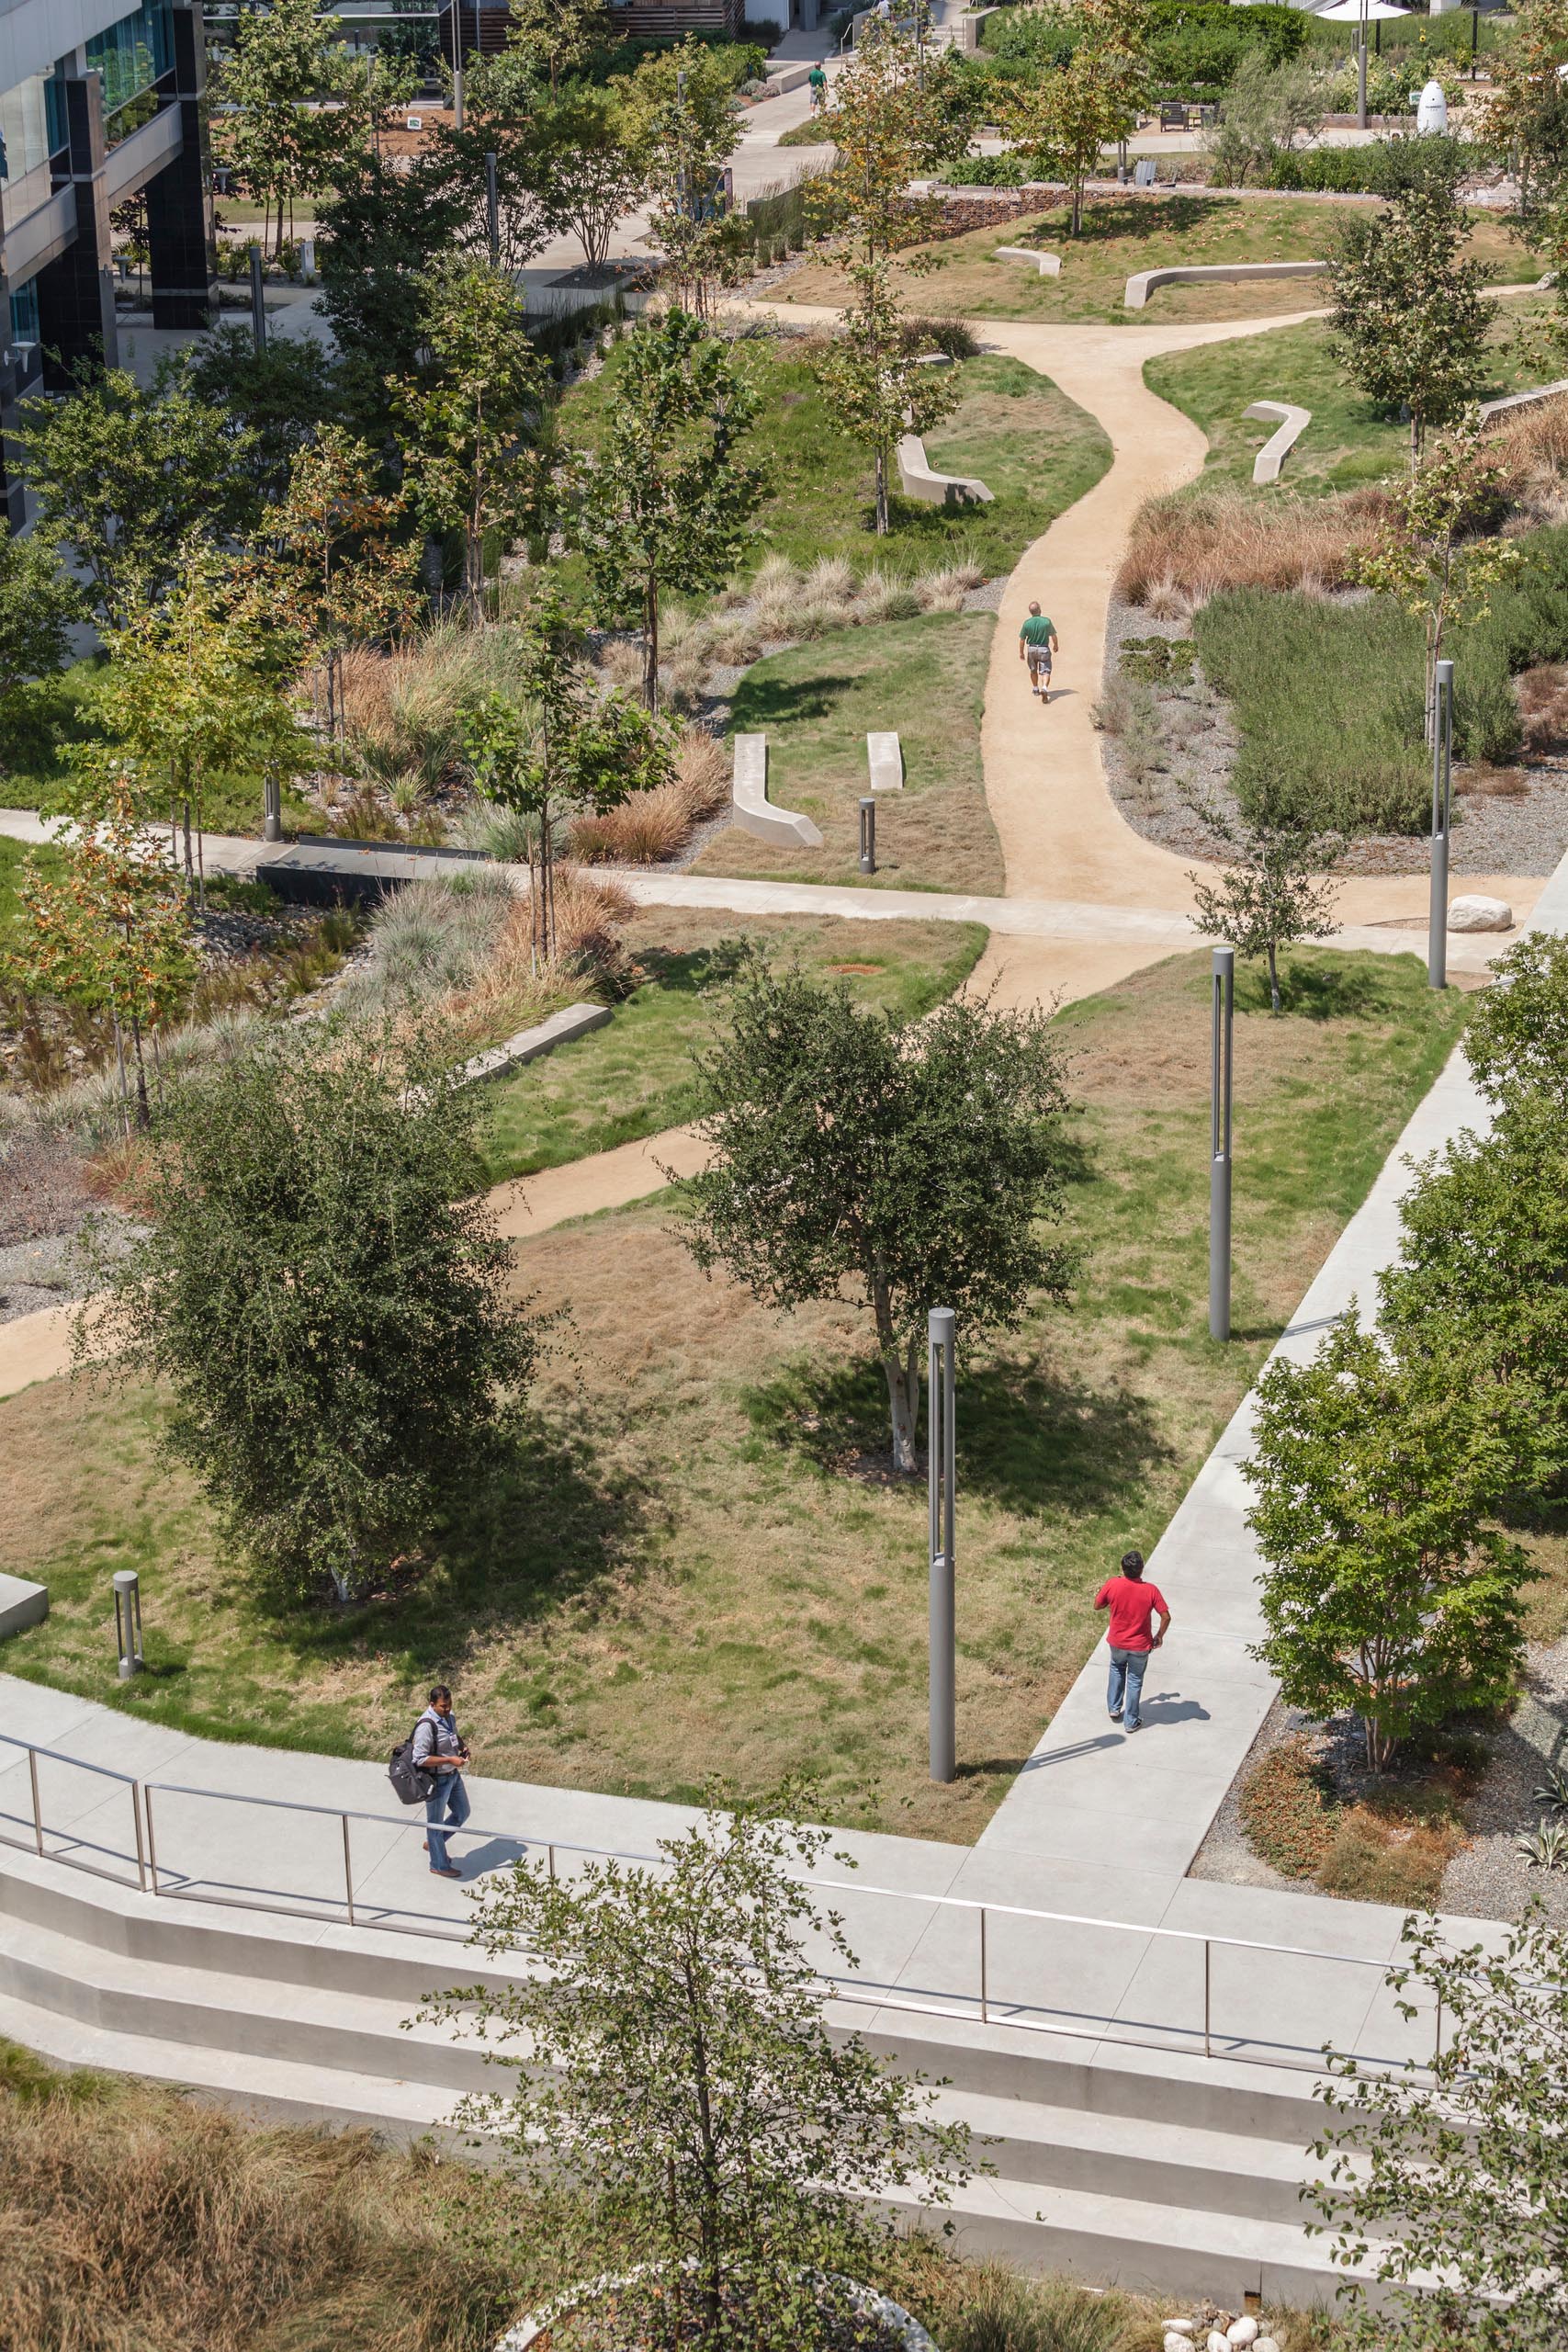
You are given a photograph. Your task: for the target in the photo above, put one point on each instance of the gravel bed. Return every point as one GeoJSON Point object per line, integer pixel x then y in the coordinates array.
{"type": "Point", "coordinates": [50, 1272]}
{"type": "Point", "coordinates": [1507, 821]}
{"type": "Point", "coordinates": [1228, 1853]}
{"type": "Point", "coordinates": [1491, 1879]}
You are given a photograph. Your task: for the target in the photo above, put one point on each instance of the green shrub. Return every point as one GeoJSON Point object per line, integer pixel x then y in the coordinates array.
{"type": "Point", "coordinates": [954, 337]}
{"type": "Point", "coordinates": [1378, 170]}
{"type": "Point", "coordinates": [1157, 659]}
{"type": "Point", "coordinates": [1288, 1809]}
{"type": "Point", "coordinates": [1011, 169]}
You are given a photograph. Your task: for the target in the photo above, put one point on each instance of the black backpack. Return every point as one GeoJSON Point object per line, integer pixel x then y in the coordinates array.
{"type": "Point", "coordinates": [412, 1785]}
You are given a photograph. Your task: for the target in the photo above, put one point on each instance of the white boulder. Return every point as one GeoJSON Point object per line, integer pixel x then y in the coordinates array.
{"type": "Point", "coordinates": [1175, 2341]}
{"type": "Point", "coordinates": [1179, 2327]}
{"type": "Point", "coordinates": [1476, 913]}
{"type": "Point", "coordinates": [1243, 2330]}
{"type": "Point", "coordinates": [1265, 2344]}
{"type": "Point", "coordinates": [1218, 2342]}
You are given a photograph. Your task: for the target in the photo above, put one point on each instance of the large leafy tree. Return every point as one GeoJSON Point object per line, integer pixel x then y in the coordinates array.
{"type": "Point", "coordinates": [1524, 128]}
{"type": "Point", "coordinates": [325, 1299]}
{"type": "Point", "coordinates": [557, 742]}
{"type": "Point", "coordinates": [1386, 1585]}
{"type": "Point", "coordinates": [38, 600]}
{"type": "Point", "coordinates": [681, 117]}
{"type": "Point", "coordinates": [1068, 113]}
{"type": "Point", "coordinates": [891, 121]}
{"type": "Point", "coordinates": [666, 501]}
{"type": "Point", "coordinates": [129, 477]}
{"type": "Point", "coordinates": [585, 168]}
{"type": "Point", "coordinates": [1408, 321]}
{"type": "Point", "coordinates": [283, 394]}
{"type": "Point", "coordinates": [554, 40]}
{"type": "Point", "coordinates": [667, 2049]}
{"type": "Point", "coordinates": [303, 102]}
{"type": "Point", "coordinates": [469, 417]}
{"type": "Point", "coordinates": [380, 230]}
{"type": "Point", "coordinates": [1450, 2180]}
{"type": "Point", "coordinates": [917, 1167]}
{"type": "Point", "coordinates": [112, 930]}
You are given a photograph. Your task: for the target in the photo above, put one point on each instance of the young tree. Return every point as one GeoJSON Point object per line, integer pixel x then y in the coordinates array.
{"type": "Point", "coordinates": [192, 693]}
{"type": "Point", "coordinates": [559, 743]}
{"type": "Point", "coordinates": [1069, 113]}
{"type": "Point", "coordinates": [681, 117]}
{"type": "Point", "coordinates": [585, 168]}
{"type": "Point", "coordinates": [1451, 2179]}
{"type": "Point", "coordinates": [39, 601]}
{"type": "Point", "coordinates": [1275, 889]}
{"type": "Point", "coordinates": [1409, 325]}
{"type": "Point", "coordinates": [890, 122]}
{"type": "Point", "coordinates": [556, 39]}
{"type": "Point", "coordinates": [665, 502]}
{"type": "Point", "coordinates": [1432, 554]}
{"type": "Point", "coordinates": [669, 2050]}
{"type": "Point", "coordinates": [130, 477]}
{"type": "Point", "coordinates": [1265, 109]}
{"type": "Point", "coordinates": [466, 418]}
{"type": "Point", "coordinates": [325, 1297]}
{"type": "Point", "coordinates": [1385, 1588]}
{"type": "Point", "coordinates": [337, 564]}
{"type": "Point", "coordinates": [303, 101]}
{"type": "Point", "coordinates": [282, 395]}
{"type": "Point", "coordinates": [1524, 129]}
{"type": "Point", "coordinates": [113, 931]}
{"type": "Point", "coordinates": [917, 1165]}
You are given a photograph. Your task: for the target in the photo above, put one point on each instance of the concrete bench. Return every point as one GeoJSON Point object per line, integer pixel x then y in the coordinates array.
{"type": "Point", "coordinates": [884, 756]}
{"type": "Point", "coordinates": [1050, 263]}
{"type": "Point", "coordinates": [1225, 273]}
{"type": "Point", "coordinates": [21, 1605]}
{"type": "Point", "coordinates": [1293, 423]}
{"type": "Point", "coordinates": [917, 478]}
{"type": "Point", "coordinates": [1522, 400]}
{"type": "Point", "coordinates": [749, 805]}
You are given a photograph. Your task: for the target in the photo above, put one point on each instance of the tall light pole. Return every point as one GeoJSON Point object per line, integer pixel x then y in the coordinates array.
{"type": "Point", "coordinates": [456, 65]}
{"type": "Point", "coordinates": [1362, 73]}
{"type": "Point", "coordinates": [492, 211]}
{"type": "Point", "coordinates": [1220, 1145]}
{"type": "Point", "coordinates": [939, 1397]}
{"type": "Point", "coordinates": [1442, 776]}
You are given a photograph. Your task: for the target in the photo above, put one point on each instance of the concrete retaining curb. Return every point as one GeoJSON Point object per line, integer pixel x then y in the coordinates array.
{"type": "Point", "coordinates": [1522, 400]}
{"type": "Point", "coordinates": [21, 1605]}
{"type": "Point", "coordinates": [1050, 263]}
{"type": "Point", "coordinates": [572, 1021]}
{"type": "Point", "coordinates": [884, 757]}
{"type": "Point", "coordinates": [1292, 421]}
{"type": "Point", "coordinates": [1145, 281]}
{"type": "Point", "coordinates": [749, 805]}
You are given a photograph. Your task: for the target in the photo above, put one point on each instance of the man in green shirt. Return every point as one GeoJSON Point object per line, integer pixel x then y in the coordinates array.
{"type": "Point", "coordinates": [1036, 644]}
{"type": "Point", "coordinates": [816, 82]}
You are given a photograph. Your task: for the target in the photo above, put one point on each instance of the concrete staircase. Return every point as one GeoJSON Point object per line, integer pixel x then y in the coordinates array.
{"type": "Point", "coordinates": [1145, 2166]}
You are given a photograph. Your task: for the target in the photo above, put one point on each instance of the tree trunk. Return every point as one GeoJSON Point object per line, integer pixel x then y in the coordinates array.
{"type": "Point", "coordinates": [902, 1406]}
{"type": "Point", "coordinates": [1077, 208]}
{"type": "Point", "coordinates": [143, 1112]}
{"type": "Point", "coordinates": [1415, 441]}
{"type": "Point", "coordinates": [650, 644]}
{"type": "Point", "coordinates": [1273, 978]}
{"type": "Point", "coordinates": [881, 491]}
{"type": "Point", "coordinates": [474, 571]}
{"type": "Point", "coordinates": [190, 869]}
{"type": "Point", "coordinates": [119, 1067]}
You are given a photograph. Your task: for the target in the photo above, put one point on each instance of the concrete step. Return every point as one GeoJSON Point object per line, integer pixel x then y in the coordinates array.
{"type": "Point", "coordinates": [1096, 2237]}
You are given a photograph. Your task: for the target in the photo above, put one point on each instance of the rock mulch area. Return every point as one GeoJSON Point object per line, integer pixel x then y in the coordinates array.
{"type": "Point", "coordinates": [1492, 1880]}
{"type": "Point", "coordinates": [1505, 822]}
{"type": "Point", "coordinates": [45, 1201]}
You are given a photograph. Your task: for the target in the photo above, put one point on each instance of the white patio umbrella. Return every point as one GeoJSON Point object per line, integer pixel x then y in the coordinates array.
{"type": "Point", "coordinates": [1362, 13]}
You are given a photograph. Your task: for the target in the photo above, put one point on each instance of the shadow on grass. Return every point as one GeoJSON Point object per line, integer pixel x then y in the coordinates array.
{"type": "Point", "coordinates": [545, 1525]}
{"type": "Point", "coordinates": [775, 702]}
{"type": "Point", "coordinates": [1026, 1441]}
{"type": "Point", "coordinates": [1351, 990]}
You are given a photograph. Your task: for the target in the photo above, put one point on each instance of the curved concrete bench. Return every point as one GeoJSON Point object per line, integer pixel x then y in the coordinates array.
{"type": "Point", "coordinates": [1293, 423]}
{"type": "Point", "coordinates": [1050, 263]}
{"type": "Point", "coordinates": [1227, 273]}
{"type": "Point", "coordinates": [917, 479]}
{"type": "Point", "coordinates": [751, 809]}
{"type": "Point", "coordinates": [1522, 400]}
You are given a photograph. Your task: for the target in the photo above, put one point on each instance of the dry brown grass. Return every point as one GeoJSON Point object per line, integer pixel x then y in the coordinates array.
{"type": "Point", "coordinates": [512, 990]}
{"type": "Point", "coordinates": [1531, 446]}
{"type": "Point", "coordinates": [134, 2221]}
{"type": "Point", "coordinates": [653, 826]}
{"type": "Point", "coordinates": [1183, 550]}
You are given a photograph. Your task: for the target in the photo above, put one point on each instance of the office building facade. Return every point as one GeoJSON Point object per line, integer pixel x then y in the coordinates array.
{"type": "Point", "coordinates": [98, 104]}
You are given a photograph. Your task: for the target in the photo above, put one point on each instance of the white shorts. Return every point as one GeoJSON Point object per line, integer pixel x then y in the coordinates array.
{"type": "Point", "coordinates": [1039, 657]}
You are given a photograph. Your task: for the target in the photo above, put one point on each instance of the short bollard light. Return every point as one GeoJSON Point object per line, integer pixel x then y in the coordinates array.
{"type": "Point", "coordinates": [128, 1622]}
{"type": "Point", "coordinates": [868, 836]}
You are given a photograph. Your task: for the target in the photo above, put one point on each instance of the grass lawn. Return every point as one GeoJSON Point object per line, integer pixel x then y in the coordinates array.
{"type": "Point", "coordinates": [1126, 232]}
{"type": "Point", "coordinates": [702, 1567]}
{"type": "Point", "coordinates": [818, 702]}
{"type": "Point", "coordinates": [1350, 439]}
{"type": "Point", "coordinates": [635, 1077]}
{"type": "Point", "coordinates": [13, 857]}
{"type": "Point", "coordinates": [1036, 449]}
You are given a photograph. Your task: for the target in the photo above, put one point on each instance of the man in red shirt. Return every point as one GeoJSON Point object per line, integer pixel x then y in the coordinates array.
{"type": "Point", "coordinates": [1133, 1605]}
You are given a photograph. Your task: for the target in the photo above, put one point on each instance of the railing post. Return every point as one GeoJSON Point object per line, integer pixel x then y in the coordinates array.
{"type": "Point", "coordinates": [1207, 1993]}
{"type": "Point", "coordinates": [1437, 2045]}
{"type": "Point", "coordinates": [347, 1870]}
{"type": "Point", "coordinates": [551, 1851]}
{"type": "Point", "coordinates": [985, 2005]}
{"type": "Point", "coordinates": [37, 1817]}
{"type": "Point", "coordinates": [140, 1851]}
{"type": "Point", "coordinates": [152, 1841]}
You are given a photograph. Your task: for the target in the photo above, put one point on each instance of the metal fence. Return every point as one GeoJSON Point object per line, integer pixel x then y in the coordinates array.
{"type": "Point", "coordinates": [978, 1955]}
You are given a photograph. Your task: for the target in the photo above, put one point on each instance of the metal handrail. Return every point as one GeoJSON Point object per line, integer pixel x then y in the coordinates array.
{"type": "Point", "coordinates": [845, 1990]}
{"type": "Point", "coordinates": [79, 1764]}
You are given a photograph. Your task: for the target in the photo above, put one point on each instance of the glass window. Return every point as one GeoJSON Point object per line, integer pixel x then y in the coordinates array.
{"type": "Point", "coordinates": [24, 313]}
{"type": "Point", "coordinates": [25, 128]}
{"type": "Point", "coordinates": [130, 56]}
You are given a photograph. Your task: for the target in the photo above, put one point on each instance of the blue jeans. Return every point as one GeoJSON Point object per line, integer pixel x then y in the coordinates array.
{"type": "Point", "coordinates": [1126, 1693]}
{"type": "Point", "coordinates": [450, 1793]}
